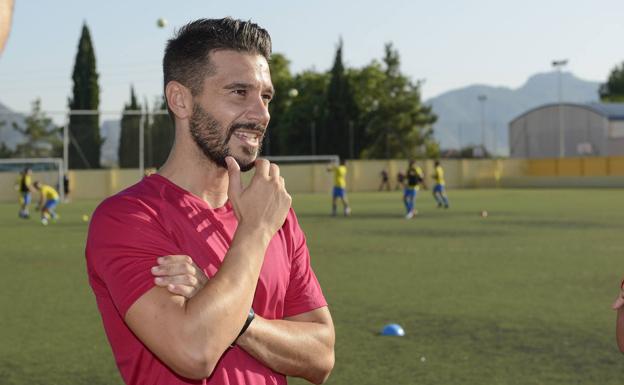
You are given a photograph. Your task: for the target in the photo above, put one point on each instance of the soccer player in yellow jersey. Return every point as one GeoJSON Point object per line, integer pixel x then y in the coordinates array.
{"type": "Point", "coordinates": [439, 193]}
{"type": "Point", "coordinates": [414, 178]}
{"type": "Point", "coordinates": [340, 185]}
{"type": "Point", "coordinates": [24, 186]}
{"type": "Point", "coordinates": [48, 201]}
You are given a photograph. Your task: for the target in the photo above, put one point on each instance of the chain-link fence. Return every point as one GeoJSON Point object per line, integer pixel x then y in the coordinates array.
{"type": "Point", "coordinates": [89, 139]}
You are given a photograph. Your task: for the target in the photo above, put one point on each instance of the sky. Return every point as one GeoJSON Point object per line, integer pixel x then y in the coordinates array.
{"type": "Point", "coordinates": [450, 44]}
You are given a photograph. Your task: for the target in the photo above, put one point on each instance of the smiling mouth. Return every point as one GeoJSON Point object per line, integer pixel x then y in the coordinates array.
{"type": "Point", "coordinates": [250, 138]}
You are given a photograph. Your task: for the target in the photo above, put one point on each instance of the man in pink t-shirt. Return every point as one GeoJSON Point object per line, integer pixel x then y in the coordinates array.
{"type": "Point", "coordinates": [260, 316]}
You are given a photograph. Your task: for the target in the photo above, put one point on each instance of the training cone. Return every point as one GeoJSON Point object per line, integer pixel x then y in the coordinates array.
{"type": "Point", "coordinates": [393, 330]}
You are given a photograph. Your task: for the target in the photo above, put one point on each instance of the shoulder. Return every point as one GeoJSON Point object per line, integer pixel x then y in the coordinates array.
{"type": "Point", "coordinates": [291, 228]}
{"type": "Point", "coordinates": [136, 203]}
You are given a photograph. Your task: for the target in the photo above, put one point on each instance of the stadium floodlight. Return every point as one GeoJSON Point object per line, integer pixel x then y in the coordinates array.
{"type": "Point", "coordinates": [54, 172]}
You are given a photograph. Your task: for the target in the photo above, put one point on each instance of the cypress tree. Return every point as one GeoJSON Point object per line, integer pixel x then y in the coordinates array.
{"type": "Point", "coordinates": [129, 135]}
{"type": "Point", "coordinates": [340, 114]}
{"type": "Point", "coordinates": [84, 130]}
{"type": "Point", "coordinates": [162, 134]}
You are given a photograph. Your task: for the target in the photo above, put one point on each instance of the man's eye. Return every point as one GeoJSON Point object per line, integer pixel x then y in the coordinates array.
{"type": "Point", "coordinates": [240, 92]}
{"type": "Point", "coordinates": [267, 97]}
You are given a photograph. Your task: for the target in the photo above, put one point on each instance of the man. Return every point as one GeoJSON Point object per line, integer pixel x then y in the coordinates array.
{"type": "Point", "coordinates": [385, 181]}
{"type": "Point", "coordinates": [400, 180]}
{"type": "Point", "coordinates": [6, 14]}
{"type": "Point", "coordinates": [24, 187]}
{"type": "Point", "coordinates": [48, 201]}
{"type": "Point", "coordinates": [261, 315]}
{"type": "Point", "coordinates": [414, 178]}
{"type": "Point", "coordinates": [439, 193]}
{"type": "Point", "coordinates": [618, 306]}
{"type": "Point", "coordinates": [340, 187]}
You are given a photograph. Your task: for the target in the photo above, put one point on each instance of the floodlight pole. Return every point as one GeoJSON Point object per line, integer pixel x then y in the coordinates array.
{"type": "Point", "coordinates": [66, 143]}
{"type": "Point", "coordinates": [313, 131]}
{"type": "Point", "coordinates": [142, 145]}
{"type": "Point", "coordinates": [482, 99]}
{"type": "Point", "coordinates": [558, 65]}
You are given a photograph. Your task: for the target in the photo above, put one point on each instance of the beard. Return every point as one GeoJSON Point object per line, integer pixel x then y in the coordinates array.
{"type": "Point", "coordinates": [212, 139]}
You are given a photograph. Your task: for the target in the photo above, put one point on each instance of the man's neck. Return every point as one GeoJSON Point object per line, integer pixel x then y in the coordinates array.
{"type": "Point", "coordinates": [191, 170]}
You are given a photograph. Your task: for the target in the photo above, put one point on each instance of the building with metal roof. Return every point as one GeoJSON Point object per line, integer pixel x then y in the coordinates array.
{"type": "Point", "coordinates": [568, 130]}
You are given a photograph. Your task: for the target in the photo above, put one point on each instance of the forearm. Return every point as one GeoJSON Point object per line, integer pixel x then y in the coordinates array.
{"type": "Point", "coordinates": [619, 329]}
{"type": "Point", "coordinates": [217, 312]}
{"type": "Point", "coordinates": [293, 348]}
{"type": "Point", "coordinates": [190, 336]}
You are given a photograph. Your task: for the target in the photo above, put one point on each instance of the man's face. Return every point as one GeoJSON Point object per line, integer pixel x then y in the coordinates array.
{"type": "Point", "coordinates": [231, 114]}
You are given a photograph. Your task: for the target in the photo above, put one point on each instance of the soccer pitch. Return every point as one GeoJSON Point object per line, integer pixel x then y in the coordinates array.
{"type": "Point", "coordinates": [520, 297]}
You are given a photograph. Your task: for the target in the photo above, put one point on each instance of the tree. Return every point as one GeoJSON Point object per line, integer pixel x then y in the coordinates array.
{"type": "Point", "coordinates": [397, 123]}
{"type": "Point", "coordinates": [283, 84]}
{"type": "Point", "coordinates": [368, 85]}
{"type": "Point", "coordinates": [335, 134]}
{"type": "Point", "coordinates": [5, 151]}
{"type": "Point", "coordinates": [84, 130]}
{"type": "Point", "coordinates": [301, 121]}
{"type": "Point", "coordinates": [43, 139]}
{"type": "Point", "coordinates": [160, 135]}
{"type": "Point", "coordinates": [129, 135]}
{"type": "Point", "coordinates": [613, 89]}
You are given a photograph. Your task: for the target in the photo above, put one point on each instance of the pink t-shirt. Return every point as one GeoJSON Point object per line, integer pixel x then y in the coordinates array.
{"type": "Point", "coordinates": [156, 217]}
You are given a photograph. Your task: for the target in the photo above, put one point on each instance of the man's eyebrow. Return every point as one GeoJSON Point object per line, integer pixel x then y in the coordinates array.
{"type": "Point", "coordinates": [236, 85]}
{"type": "Point", "coordinates": [247, 86]}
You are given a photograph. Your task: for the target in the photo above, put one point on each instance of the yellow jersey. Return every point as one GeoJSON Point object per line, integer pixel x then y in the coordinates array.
{"type": "Point", "coordinates": [48, 192]}
{"type": "Point", "coordinates": [414, 177]}
{"type": "Point", "coordinates": [438, 175]}
{"type": "Point", "coordinates": [340, 176]}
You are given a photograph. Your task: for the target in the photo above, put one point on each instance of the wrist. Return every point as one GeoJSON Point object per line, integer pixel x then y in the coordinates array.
{"type": "Point", "coordinates": [250, 317]}
{"type": "Point", "coordinates": [259, 234]}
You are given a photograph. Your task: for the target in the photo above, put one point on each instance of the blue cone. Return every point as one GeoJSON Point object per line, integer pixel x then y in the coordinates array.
{"type": "Point", "coordinates": [393, 330]}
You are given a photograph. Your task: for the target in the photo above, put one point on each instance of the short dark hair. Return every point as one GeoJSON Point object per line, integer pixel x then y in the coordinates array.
{"type": "Point", "coordinates": [187, 59]}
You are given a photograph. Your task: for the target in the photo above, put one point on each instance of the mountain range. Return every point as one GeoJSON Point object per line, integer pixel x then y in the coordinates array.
{"type": "Point", "coordinates": [460, 111]}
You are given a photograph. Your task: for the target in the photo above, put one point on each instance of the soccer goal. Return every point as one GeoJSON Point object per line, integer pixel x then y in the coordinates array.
{"type": "Point", "coordinates": [47, 170]}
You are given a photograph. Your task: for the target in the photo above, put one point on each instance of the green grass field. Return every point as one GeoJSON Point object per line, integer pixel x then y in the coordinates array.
{"type": "Point", "coordinates": [520, 297]}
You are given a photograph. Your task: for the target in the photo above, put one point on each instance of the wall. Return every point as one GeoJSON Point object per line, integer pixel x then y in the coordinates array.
{"type": "Point", "coordinates": [365, 175]}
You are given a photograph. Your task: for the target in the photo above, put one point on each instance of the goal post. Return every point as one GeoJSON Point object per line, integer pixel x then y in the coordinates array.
{"type": "Point", "coordinates": [51, 170]}
{"type": "Point", "coordinates": [303, 159]}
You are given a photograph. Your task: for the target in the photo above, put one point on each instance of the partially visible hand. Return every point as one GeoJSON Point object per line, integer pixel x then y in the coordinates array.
{"type": "Point", "coordinates": [179, 274]}
{"type": "Point", "coordinates": [264, 203]}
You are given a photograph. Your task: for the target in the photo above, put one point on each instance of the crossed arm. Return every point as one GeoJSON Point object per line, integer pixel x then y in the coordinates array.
{"type": "Point", "coordinates": [618, 306]}
{"type": "Point", "coordinates": [299, 346]}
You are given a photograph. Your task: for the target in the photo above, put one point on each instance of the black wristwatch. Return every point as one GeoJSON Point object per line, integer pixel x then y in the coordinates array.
{"type": "Point", "coordinates": [250, 317]}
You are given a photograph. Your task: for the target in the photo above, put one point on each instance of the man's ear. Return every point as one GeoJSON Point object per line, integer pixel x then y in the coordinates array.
{"type": "Point", "coordinates": [179, 100]}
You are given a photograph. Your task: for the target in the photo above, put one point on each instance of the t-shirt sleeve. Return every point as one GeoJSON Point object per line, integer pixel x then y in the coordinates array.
{"type": "Point", "coordinates": [125, 239]}
{"type": "Point", "coordinates": [304, 291]}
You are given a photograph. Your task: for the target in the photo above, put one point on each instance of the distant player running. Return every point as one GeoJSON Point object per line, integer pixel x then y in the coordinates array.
{"type": "Point", "coordinates": [414, 178]}
{"type": "Point", "coordinates": [47, 203]}
{"type": "Point", "coordinates": [24, 186]}
{"type": "Point", "coordinates": [340, 186]}
{"type": "Point", "coordinates": [439, 190]}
